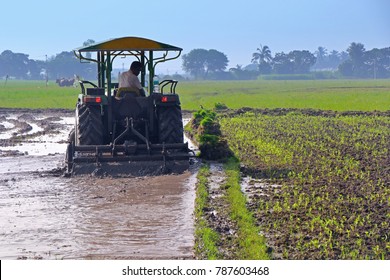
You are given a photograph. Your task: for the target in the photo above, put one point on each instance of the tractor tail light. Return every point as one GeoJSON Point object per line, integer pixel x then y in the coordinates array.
{"type": "Point", "coordinates": [92, 99]}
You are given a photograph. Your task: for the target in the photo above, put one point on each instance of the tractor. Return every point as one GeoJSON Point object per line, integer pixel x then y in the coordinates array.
{"type": "Point", "coordinates": [117, 128]}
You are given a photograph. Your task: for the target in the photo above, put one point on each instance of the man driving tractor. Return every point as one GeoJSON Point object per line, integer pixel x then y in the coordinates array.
{"type": "Point", "coordinates": [129, 79]}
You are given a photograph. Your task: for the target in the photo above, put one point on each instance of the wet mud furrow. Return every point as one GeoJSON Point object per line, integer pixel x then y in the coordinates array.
{"type": "Point", "coordinates": [46, 216]}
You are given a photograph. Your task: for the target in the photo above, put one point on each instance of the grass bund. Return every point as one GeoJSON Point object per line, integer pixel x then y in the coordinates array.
{"type": "Point", "coordinates": [338, 95]}
{"type": "Point", "coordinates": [211, 240]}
{"type": "Point", "coordinates": [252, 245]}
{"type": "Point", "coordinates": [206, 238]}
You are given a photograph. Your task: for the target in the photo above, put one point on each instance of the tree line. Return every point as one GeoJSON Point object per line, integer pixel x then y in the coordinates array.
{"type": "Point", "coordinates": [355, 62]}
{"type": "Point", "coordinates": [62, 65]}
{"type": "Point", "coordinates": [374, 63]}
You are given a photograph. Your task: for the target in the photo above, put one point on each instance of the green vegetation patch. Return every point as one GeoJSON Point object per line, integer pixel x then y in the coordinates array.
{"type": "Point", "coordinates": [326, 176]}
{"type": "Point", "coordinates": [204, 128]}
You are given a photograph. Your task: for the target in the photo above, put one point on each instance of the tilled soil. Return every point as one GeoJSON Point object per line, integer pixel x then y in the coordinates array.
{"type": "Point", "coordinates": [47, 216]}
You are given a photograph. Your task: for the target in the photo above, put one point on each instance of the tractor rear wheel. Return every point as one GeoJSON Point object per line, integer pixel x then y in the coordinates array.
{"type": "Point", "coordinates": [89, 125]}
{"type": "Point", "coordinates": [170, 125]}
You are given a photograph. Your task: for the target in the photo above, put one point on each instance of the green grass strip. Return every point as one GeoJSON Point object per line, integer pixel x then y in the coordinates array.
{"type": "Point", "coordinates": [336, 95]}
{"type": "Point", "coordinates": [205, 237]}
{"type": "Point", "coordinates": [252, 244]}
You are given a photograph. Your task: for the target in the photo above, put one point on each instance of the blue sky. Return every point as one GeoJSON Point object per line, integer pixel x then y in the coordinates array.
{"type": "Point", "coordinates": [236, 28]}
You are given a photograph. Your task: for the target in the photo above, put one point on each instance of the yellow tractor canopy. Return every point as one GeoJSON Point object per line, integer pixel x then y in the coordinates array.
{"type": "Point", "coordinates": [129, 43]}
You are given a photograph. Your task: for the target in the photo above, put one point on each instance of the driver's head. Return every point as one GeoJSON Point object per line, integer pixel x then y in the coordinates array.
{"type": "Point", "coordinates": [136, 67]}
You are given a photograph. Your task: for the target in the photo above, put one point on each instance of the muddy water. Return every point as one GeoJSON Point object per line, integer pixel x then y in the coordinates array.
{"type": "Point", "coordinates": [56, 218]}
{"type": "Point", "coordinates": [46, 216]}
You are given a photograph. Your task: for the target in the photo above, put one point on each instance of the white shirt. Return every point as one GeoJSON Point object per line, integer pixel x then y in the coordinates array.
{"type": "Point", "coordinates": [128, 79]}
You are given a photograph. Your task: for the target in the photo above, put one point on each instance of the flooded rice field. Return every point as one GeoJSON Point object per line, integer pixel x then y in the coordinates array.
{"type": "Point", "coordinates": [47, 216]}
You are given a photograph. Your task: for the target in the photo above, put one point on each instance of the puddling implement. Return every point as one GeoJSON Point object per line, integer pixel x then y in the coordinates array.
{"type": "Point", "coordinates": [128, 158]}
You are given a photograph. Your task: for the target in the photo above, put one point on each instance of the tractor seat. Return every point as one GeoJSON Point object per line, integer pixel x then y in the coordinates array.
{"type": "Point", "coordinates": [124, 92]}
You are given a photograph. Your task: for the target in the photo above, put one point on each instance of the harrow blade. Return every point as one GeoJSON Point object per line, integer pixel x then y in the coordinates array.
{"type": "Point", "coordinates": [128, 159]}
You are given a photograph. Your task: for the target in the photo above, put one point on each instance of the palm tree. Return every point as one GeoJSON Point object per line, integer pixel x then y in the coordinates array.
{"type": "Point", "coordinates": [321, 54]}
{"type": "Point", "coordinates": [356, 52]}
{"type": "Point", "coordinates": [262, 56]}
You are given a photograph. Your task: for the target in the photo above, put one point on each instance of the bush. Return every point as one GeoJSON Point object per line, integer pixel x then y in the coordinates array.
{"type": "Point", "coordinates": [207, 132]}
{"type": "Point", "coordinates": [220, 106]}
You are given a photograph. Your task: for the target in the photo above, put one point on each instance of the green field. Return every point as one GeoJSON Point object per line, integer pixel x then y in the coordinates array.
{"type": "Point", "coordinates": [338, 95]}
{"type": "Point", "coordinates": [35, 94]}
{"type": "Point", "coordinates": [325, 181]}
